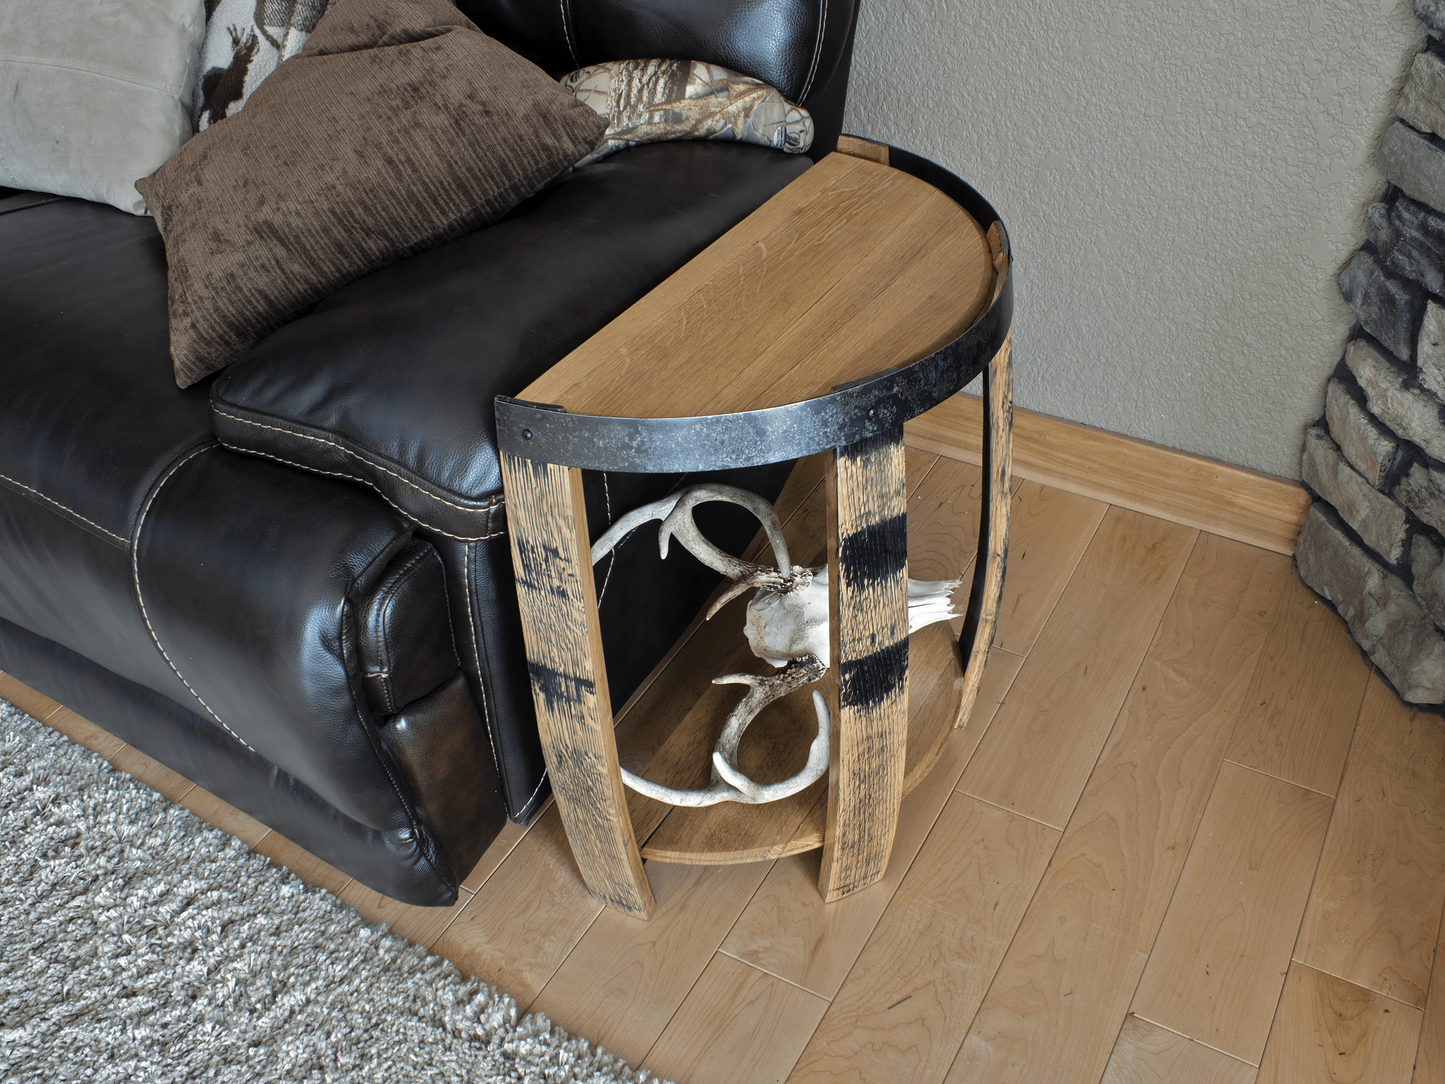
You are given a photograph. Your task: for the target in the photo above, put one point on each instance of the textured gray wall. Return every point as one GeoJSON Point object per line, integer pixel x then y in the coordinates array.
{"type": "Point", "coordinates": [1182, 183]}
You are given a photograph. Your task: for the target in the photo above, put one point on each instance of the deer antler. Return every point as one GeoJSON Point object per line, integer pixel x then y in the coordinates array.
{"type": "Point", "coordinates": [727, 782]}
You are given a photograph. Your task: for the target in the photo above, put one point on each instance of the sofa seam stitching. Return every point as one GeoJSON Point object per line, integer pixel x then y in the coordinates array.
{"type": "Point", "coordinates": [567, 32]}
{"type": "Point", "coordinates": [135, 574]}
{"type": "Point", "coordinates": [119, 538]}
{"type": "Point", "coordinates": [817, 53]}
{"type": "Point", "coordinates": [487, 507]}
{"type": "Point", "coordinates": [607, 499]}
{"type": "Point", "coordinates": [370, 732]}
{"type": "Point", "coordinates": [366, 482]}
{"type": "Point", "coordinates": [477, 660]}
{"type": "Point", "coordinates": [379, 631]}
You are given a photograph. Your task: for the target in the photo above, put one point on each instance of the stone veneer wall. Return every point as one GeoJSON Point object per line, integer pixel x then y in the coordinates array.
{"type": "Point", "coordinates": [1374, 541]}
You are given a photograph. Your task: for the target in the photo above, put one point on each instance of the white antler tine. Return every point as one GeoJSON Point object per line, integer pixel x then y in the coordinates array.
{"type": "Point", "coordinates": [630, 522]}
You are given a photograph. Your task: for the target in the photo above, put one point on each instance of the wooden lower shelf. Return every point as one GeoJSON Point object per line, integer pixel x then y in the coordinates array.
{"type": "Point", "coordinates": [774, 747]}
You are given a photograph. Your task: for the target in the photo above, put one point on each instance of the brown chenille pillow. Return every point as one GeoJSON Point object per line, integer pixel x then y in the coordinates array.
{"type": "Point", "coordinates": [400, 125]}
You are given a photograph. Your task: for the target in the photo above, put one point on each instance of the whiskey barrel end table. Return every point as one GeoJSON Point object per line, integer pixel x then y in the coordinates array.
{"type": "Point", "coordinates": [870, 289]}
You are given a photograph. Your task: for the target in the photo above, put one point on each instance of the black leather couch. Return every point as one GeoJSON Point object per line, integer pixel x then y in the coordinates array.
{"type": "Point", "coordinates": [335, 649]}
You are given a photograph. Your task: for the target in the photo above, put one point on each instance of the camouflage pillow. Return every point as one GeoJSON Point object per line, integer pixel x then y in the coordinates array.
{"type": "Point", "coordinates": [245, 40]}
{"type": "Point", "coordinates": [648, 101]}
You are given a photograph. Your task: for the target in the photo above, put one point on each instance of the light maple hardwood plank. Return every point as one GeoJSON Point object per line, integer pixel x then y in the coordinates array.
{"type": "Point", "coordinates": [909, 999]}
{"type": "Point", "coordinates": [497, 851]}
{"type": "Point", "coordinates": [1301, 712]}
{"type": "Point", "coordinates": [151, 772]}
{"type": "Point", "coordinates": [1375, 909]}
{"type": "Point", "coordinates": [626, 978]}
{"type": "Point", "coordinates": [419, 925]}
{"type": "Point", "coordinates": [1041, 747]}
{"type": "Point", "coordinates": [789, 931]}
{"type": "Point", "coordinates": [1259, 509]}
{"type": "Point", "coordinates": [1430, 1058]}
{"type": "Point", "coordinates": [1048, 533]}
{"type": "Point", "coordinates": [1049, 530]}
{"type": "Point", "coordinates": [83, 732]}
{"type": "Point", "coordinates": [312, 870]}
{"type": "Point", "coordinates": [1148, 1054]}
{"type": "Point", "coordinates": [1327, 1029]}
{"type": "Point", "coordinates": [36, 705]}
{"type": "Point", "coordinates": [737, 1026]}
{"type": "Point", "coordinates": [1219, 962]}
{"type": "Point", "coordinates": [526, 917]}
{"type": "Point", "coordinates": [223, 815]}
{"type": "Point", "coordinates": [943, 520]}
{"type": "Point", "coordinates": [1066, 983]}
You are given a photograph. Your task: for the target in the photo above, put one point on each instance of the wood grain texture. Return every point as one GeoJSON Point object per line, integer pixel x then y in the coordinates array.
{"type": "Point", "coordinates": [737, 1026]}
{"type": "Point", "coordinates": [1147, 1054]}
{"type": "Point", "coordinates": [943, 518]}
{"type": "Point", "coordinates": [526, 917]}
{"type": "Point", "coordinates": [986, 592]}
{"type": "Point", "coordinates": [1260, 509]}
{"type": "Point", "coordinates": [496, 852]}
{"type": "Point", "coordinates": [1430, 1058]}
{"type": "Point", "coordinates": [1374, 911]}
{"type": "Point", "coordinates": [935, 686]}
{"type": "Point", "coordinates": [787, 928]}
{"type": "Point", "coordinates": [547, 527]}
{"type": "Point", "coordinates": [1049, 530]}
{"type": "Point", "coordinates": [1218, 965]}
{"type": "Point", "coordinates": [1327, 1029]}
{"type": "Point", "coordinates": [878, 268]}
{"type": "Point", "coordinates": [83, 732]}
{"type": "Point", "coordinates": [909, 999]}
{"type": "Point", "coordinates": [1065, 985]}
{"type": "Point", "coordinates": [223, 815]}
{"type": "Point", "coordinates": [34, 704]}
{"type": "Point", "coordinates": [1301, 712]}
{"type": "Point", "coordinates": [1042, 745]}
{"type": "Point", "coordinates": [863, 148]}
{"type": "Point", "coordinates": [626, 978]}
{"type": "Point", "coordinates": [868, 626]}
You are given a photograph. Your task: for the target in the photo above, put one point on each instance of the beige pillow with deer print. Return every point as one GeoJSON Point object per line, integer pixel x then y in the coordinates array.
{"type": "Point", "coordinates": [245, 41]}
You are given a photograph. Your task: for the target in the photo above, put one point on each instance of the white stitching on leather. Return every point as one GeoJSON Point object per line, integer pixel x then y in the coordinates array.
{"type": "Point", "coordinates": [135, 574]}
{"type": "Point", "coordinates": [612, 557]}
{"type": "Point", "coordinates": [119, 538]}
{"type": "Point", "coordinates": [817, 53]}
{"type": "Point", "coordinates": [366, 482]}
{"type": "Point", "coordinates": [567, 32]}
{"type": "Point", "coordinates": [477, 659]}
{"type": "Point", "coordinates": [487, 507]}
{"type": "Point", "coordinates": [534, 791]}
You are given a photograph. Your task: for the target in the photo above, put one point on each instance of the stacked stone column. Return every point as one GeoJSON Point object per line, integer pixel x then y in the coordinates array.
{"type": "Point", "coordinates": [1374, 541]}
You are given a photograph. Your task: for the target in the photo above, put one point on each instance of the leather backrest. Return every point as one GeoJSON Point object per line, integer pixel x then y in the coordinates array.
{"type": "Point", "coordinates": [793, 45]}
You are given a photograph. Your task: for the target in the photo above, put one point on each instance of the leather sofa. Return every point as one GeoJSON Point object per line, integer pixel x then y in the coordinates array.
{"type": "Point", "coordinates": [292, 584]}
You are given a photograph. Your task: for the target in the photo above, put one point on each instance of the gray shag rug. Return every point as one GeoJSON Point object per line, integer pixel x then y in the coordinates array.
{"type": "Point", "coordinates": [139, 944]}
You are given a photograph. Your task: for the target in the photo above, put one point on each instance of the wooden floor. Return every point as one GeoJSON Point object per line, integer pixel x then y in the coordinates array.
{"type": "Point", "coordinates": [1188, 836]}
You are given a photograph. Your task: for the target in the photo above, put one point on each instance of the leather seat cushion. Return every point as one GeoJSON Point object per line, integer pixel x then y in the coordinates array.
{"type": "Point", "coordinates": [90, 415]}
{"type": "Point", "coordinates": [392, 379]}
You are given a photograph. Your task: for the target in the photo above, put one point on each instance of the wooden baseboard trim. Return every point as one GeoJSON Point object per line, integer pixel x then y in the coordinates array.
{"type": "Point", "coordinates": [1248, 506]}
